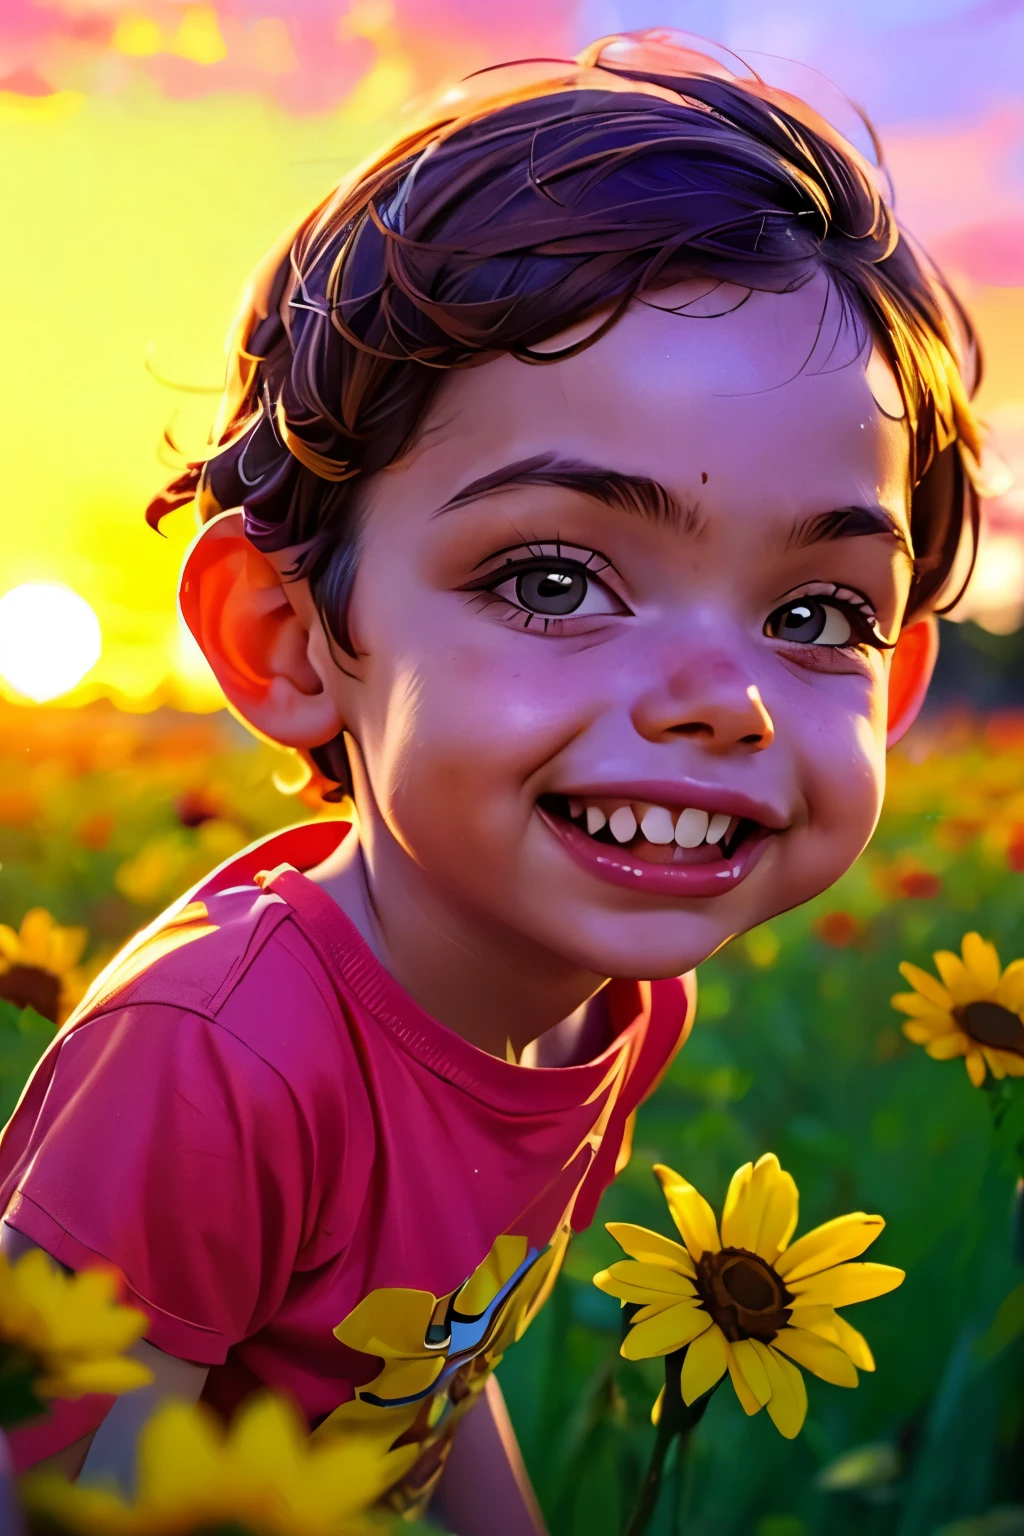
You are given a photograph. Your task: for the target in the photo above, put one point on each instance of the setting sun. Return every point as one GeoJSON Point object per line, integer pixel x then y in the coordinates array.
{"type": "Point", "coordinates": [49, 639]}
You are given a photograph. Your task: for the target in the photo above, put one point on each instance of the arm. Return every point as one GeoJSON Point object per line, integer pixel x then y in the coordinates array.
{"type": "Point", "coordinates": [111, 1452]}
{"type": "Point", "coordinates": [485, 1489]}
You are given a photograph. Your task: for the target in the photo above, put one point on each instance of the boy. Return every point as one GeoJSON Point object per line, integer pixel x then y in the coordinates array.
{"type": "Point", "coordinates": [589, 471]}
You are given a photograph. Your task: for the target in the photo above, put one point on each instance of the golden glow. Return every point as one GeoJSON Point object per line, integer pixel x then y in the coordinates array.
{"type": "Point", "coordinates": [138, 218]}
{"type": "Point", "coordinates": [49, 639]}
{"type": "Point", "coordinates": [171, 204]}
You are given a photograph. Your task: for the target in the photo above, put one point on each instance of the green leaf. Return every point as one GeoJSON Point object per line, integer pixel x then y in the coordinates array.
{"type": "Point", "coordinates": [865, 1466]}
{"type": "Point", "coordinates": [24, 1036]}
{"type": "Point", "coordinates": [1006, 1326]}
{"type": "Point", "coordinates": [1008, 1520]}
{"type": "Point", "coordinates": [18, 1399]}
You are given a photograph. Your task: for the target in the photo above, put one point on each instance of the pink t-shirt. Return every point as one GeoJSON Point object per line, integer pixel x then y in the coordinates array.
{"type": "Point", "coordinates": [305, 1180]}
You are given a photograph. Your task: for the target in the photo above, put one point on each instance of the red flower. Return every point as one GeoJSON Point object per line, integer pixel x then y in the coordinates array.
{"type": "Point", "coordinates": [839, 929]}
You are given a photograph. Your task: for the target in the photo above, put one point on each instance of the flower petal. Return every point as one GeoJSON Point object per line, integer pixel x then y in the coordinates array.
{"type": "Point", "coordinates": [78, 1378]}
{"type": "Point", "coordinates": [760, 1208]}
{"type": "Point", "coordinates": [962, 986]}
{"type": "Point", "coordinates": [827, 1323]}
{"type": "Point", "coordinates": [854, 1343]}
{"type": "Point", "coordinates": [266, 1442]}
{"type": "Point", "coordinates": [918, 1007]}
{"type": "Point", "coordinates": [787, 1405]}
{"type": "Point", "coordinates": [975, 1064]}
{"type": "Point", "coordinates": [733, 1211]}
{"type": "Point", "coordinates": [843, 1286]}
{"type": "Point", "coordinates": [650, 1247]}
{"type": "Point", "coordinates": [947, 1047]}
{"type": "Point", "coordinates": [922, 1030]}
{"type": "Point", "coordinates": [36, 927]}
{"type": "Point", "coordinates": [704, 1364]}
{"type": "Point", "coordinates": [935, 1019]}
{"type": "Point", "coordinates": [1010, 991]}
{"type": "Point", "coordinates": [690, 1211]}
{"type": "Point", "coordinates": [818, 1355]}
{"type": "Point", "coordinates": [671, 1329]}
{"type": "Point", "coordinates": [632, 1281]}
{"type": "Point", "coordinates": [651, 1310]}
{"type": "Point", "coordinates": [180, 1456]}
{"type": "Point", "coordinates": [995, 1063]}
{"type": "Point", "coordinates": [982, 960]}
{"type": "Point", "coordinates": [925, 983]}
{"type": "Point", "coordinates": [1013, 1065]}
{"type": "Point", "coordinates": [749, 1377]}
{"type": "Point", "coordinates": [846, 1237]}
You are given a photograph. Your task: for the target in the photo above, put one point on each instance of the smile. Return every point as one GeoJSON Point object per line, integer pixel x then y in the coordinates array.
{"type": "Point", "coordinates": [661, 849]}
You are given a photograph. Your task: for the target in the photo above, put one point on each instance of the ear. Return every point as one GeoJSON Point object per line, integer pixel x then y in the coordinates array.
{"type": "Point", "coordinates": [254, 630]}
{"type": "Point", "coordinates": [910, 672]}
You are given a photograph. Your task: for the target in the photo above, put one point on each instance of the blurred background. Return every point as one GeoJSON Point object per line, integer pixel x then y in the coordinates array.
{"type": "Point", "coordinates": [151, 152]}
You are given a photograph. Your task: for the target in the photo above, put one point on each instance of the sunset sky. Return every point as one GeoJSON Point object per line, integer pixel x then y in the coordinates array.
{"type": "Point", "coordinates": [152, 151]}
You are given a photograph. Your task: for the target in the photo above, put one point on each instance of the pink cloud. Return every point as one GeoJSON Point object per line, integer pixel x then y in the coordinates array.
{"type": "Point", "coordinates": [441, 39]}
{"type": "Point", "coordinates": [990, 253]}
{"type": "Point", "coordinates": [958, 175]}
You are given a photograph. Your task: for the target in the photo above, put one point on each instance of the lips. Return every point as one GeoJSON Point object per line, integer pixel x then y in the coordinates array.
{"type": "Point", "coordinates": [663, 839]}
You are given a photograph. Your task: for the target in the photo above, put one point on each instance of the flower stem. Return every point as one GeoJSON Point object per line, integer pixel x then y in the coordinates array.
{"type": "Point", "coordinates": [677, 1418]}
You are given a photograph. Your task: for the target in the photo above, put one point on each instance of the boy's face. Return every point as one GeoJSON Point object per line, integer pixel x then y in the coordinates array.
{"type": "Point", "coordinates": [636, 588]}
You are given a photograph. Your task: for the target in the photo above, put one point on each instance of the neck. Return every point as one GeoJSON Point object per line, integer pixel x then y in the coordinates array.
{"type": "Point", "coordinates": [490, 985]}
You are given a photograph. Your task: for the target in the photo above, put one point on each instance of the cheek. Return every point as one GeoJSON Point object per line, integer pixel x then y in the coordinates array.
{"type": "Point", "coordinates": [842, 753]}
{"type": "Point", "coordinates": [454, 735]}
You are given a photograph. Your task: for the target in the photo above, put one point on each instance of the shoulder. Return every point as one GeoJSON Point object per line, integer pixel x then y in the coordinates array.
{"type": "Point", "coordinates": [235, 961]}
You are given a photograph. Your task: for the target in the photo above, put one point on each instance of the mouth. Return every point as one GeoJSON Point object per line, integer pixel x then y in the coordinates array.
{"type": "Point", "coordinates": [663, 849]}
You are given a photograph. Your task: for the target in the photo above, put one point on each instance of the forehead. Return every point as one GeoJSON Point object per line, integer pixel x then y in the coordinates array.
{"type": "Point", "coordinates": [767, 406]}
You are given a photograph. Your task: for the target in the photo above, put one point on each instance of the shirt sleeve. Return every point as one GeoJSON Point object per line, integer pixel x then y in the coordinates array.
{"type": "Point", "coordinates": [167, 1147]}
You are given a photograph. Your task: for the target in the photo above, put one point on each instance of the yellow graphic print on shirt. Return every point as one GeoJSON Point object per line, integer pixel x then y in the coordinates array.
{"type": "Point", "coordinates": [438, 1352]}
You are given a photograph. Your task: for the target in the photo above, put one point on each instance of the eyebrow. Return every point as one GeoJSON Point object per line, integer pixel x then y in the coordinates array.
{"type": "Point", "coordinates": [637, 495]}
{"type": "Point", "coordinates": [848, 523]}
{"type": "Point", "coordinates": [640, 496]}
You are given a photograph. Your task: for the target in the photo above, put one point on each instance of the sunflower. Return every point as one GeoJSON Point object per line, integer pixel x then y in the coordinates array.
{"type": "Point", "coordinates": [747, 1302]}
{"type": "Point", "coordinates": [70, 1330]}
{"type": "Point", "coordinates": [263, 1475]}
{"type": "Point", "coordinates": [975, 1011]}
{"type": "Point", "coordinates": [39, 965]}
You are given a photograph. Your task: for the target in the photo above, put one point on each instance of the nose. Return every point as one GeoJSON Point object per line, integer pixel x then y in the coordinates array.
{"type": "Point", "coordinates": [710, 699]}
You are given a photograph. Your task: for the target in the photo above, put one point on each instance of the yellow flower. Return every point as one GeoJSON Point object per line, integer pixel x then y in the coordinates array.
{"type": "Point", "coordinates": [262, 1473]}
{"type": "Point", "coordinates": [39, 965]}
{"type": "Point", "coordinates": [975, 1011]}
{"type": "Point", "coordinates": [71, 1326]}
{"type": "Point", "coordinates": [747, 1302]}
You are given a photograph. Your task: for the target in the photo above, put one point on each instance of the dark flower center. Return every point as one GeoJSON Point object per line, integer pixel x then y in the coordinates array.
{"type": "Point", "coordinates": [28, 986]}
{"type": "Point", "coordinates": [993, 1025]}
{"type": "Point", "coordinates": [743, 1294]}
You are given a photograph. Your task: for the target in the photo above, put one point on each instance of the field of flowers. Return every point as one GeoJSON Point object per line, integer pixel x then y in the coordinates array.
{"type": "Point", "coordinates": [106, 817]}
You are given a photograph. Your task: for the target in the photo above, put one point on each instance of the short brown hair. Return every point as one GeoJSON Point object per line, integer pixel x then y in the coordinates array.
{"type": "Point", "coordinates": [536, 196]}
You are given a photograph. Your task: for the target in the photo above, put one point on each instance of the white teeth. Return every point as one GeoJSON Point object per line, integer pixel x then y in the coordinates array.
{"type": "Point", "coordinates": [691, 828]}
{"type": "Point", "coordinates": [657, 825]}
{"type": "Point", "coordinates": [622, 824]}
{"type": "Point", "coordinates": [717, 827]}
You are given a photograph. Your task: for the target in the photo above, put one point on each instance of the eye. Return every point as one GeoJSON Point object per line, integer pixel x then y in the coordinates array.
{"type": "Point", "coordinates": [808, 621]}
{"type": "Point", "coordinates": [555, 589]}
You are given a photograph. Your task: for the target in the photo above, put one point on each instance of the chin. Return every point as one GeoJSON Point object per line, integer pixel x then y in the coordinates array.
{"type": "Point", "coordinates": [639, 946]}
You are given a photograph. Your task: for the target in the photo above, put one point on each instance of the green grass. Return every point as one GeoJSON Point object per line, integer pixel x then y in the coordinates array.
{"type": "Point", "coordinates": [796, 1050]}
